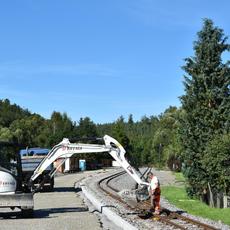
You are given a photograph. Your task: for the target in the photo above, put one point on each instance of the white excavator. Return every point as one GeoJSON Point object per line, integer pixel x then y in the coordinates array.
{"type": "Point", "coordinates": [12, 194]}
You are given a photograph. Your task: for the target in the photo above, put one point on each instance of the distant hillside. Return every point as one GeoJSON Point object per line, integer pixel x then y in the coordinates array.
{"type": "Point", "coordinates": [10, 112]}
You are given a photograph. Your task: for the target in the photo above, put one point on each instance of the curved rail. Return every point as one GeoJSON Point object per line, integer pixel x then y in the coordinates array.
{"type": "Point", "coordinates": [167, 217]}
{"type": "Point", "coordinates": [112, 191]}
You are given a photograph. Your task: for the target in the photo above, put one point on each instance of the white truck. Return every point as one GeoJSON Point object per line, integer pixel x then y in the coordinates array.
{"type": "Point", "coordinates": [13, 195]}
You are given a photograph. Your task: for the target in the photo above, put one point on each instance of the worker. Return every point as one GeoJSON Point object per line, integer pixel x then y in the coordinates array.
{"type": "Point", "coordinates": [154, 192]}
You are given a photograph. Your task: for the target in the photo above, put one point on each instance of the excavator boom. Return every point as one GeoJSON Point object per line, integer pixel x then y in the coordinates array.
{"type": "Point", "coordinates": [65, 149]}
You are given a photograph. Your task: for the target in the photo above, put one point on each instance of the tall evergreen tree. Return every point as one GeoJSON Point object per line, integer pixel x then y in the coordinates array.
{"type": "Point", "coordinates": [120, 134]}
{"type": "Point", "coordinates": [206, 102]}
{"type": "Point", "coordinates": [87, 128]}
{"type": "Point", "coordinates": [59, 126]}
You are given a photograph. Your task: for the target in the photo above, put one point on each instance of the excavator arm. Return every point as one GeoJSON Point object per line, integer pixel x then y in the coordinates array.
{"type": "Point", "coordinates": [65, 149]}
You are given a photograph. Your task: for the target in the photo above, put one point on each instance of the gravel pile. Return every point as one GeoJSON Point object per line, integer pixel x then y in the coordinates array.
{"type": "Point", "coordinates": [126, 182]}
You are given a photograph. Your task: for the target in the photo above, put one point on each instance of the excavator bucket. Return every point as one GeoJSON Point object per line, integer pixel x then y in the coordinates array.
{"type": "Point", "coordinates": [138, 195]}
{"type": "Point", "coordinates": [142, 193]}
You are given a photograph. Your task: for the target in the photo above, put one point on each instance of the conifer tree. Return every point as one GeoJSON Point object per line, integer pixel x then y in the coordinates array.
{"type": "Point", "coordinates": [206, 102]}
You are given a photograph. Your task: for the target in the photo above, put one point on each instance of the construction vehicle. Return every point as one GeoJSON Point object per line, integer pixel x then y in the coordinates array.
{"type": "Point", "coordinates": [12, 192]}
{"type": "Point", "coordinates": [9, 195]}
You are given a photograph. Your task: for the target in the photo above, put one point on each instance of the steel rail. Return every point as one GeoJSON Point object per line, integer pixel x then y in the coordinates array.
{"type": "Point", "coordinates": [142, 207]}
{"type": "Point", "coordinates": [112, 194]}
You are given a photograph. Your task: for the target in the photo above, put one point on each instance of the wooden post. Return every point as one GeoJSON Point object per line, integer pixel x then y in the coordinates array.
{"type": "Point", "coordinates": [226, 201]}
{"type": "Point", "coordinates": [211, 201]}
{"type": "Point", "coordinates": [218, 202]}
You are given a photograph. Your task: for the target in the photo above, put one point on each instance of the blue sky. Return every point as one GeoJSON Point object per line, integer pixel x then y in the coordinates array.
{"type": "Point", "coordinates": [100, 59]}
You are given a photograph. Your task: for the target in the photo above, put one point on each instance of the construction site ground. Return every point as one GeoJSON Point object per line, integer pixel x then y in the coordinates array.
{"type": "Point", "coordinates": [62, 209]}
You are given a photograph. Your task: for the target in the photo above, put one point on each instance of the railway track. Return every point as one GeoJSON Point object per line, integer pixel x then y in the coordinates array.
{"type": "Point", "coordinates": [169, 218]}
{"type": "Point", "coordinates": [103, 185]}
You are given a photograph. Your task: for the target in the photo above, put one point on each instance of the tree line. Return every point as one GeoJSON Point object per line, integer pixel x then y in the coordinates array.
{"type": "Point", "coordinates": [194, 138]}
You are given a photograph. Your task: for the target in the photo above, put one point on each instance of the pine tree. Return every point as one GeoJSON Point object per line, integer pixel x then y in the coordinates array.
{"type": "Point", "coordinates": [206, 102]}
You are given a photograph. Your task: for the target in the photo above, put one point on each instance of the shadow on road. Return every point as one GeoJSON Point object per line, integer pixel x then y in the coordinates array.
{"type": "Point", "coordinates": [64, 189]}
{"type": "Point", "coordinates": [10, 215]}
{"type": "Point", "coordinates": [42, 213]}
{"type": "Point", "coordinates": [67, 189]}
{"type": "Point", "coordinates": [45, 213]}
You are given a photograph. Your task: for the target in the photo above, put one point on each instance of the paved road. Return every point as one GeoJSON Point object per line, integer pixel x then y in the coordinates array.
{"type": "Point", "coordinates": [62, 209]}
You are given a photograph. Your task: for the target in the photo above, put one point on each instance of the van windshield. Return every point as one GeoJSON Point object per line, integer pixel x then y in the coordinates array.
{"type": "Point", "coordinates": [32, 157]}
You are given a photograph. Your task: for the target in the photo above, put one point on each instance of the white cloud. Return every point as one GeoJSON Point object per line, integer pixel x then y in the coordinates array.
{"type": "Point", "coordinates": [21, 69]}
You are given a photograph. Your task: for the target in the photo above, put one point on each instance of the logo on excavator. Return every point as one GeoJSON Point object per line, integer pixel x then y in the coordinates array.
{"type": "Point", "coordinates": [64, 148]}
{"type": "Point", "coordinates": [6, 183]}
{"type": "Point", "coordinates": [130, 169]}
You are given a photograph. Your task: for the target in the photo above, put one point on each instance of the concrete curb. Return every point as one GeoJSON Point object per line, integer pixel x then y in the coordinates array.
{"type": "Point", "coordinates": [102, 208]}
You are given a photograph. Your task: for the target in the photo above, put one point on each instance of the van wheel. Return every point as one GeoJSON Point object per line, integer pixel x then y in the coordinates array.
{"type": "Point", "coordinates": [51, 187]}
{"type": "Point", "coordinates": [27, 213]}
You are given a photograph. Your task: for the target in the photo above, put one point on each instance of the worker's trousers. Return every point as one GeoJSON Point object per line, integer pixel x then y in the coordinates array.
{"type": "Point", "coordinates": [155, 201]}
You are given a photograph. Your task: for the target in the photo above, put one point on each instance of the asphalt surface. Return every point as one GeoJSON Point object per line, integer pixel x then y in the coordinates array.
{"type": "Point", "coordinates": [62, 209]}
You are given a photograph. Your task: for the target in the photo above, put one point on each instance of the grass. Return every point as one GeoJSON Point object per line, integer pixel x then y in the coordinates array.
{"type": "Point", "coordinates": [178, 197]}
{"type": "Point", "coordinates": [179, 176]}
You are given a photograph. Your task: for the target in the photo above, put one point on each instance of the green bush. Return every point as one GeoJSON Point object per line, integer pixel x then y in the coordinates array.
{"type": "Point", "coordinates": [217, 163]}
